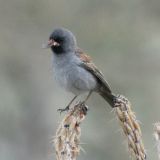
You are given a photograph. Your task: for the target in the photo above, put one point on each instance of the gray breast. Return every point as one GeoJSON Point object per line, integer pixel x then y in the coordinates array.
{"type": "Point", "coordinates": [71, 76]}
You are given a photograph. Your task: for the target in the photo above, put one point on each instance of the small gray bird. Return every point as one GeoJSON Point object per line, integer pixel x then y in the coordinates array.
{"type": "Point", "coordinates": [74, 70]}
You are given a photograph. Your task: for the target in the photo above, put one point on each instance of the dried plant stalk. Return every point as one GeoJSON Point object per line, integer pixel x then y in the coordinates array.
{"type": "Point", "coordinates": [157, 137]}
{"type": "Point", "coordinates": [131, 127]}
{"type": "Point", "coordinates": [68, 134]}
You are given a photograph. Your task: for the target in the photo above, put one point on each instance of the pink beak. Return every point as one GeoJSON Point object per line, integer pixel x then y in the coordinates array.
{"type": "Point", "coordinates": [50, 43]}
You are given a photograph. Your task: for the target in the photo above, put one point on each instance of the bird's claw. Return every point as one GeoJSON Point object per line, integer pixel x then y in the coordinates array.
{"type": "Point", "coordinates": [61, 110]}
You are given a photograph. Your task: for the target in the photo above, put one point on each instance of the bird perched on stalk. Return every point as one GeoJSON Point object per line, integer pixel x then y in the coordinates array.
{"type": "Point", "coordinates": [74, 70]}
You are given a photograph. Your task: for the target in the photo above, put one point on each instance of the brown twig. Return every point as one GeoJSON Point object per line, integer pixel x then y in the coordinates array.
{"type": "Point", "coordinates": [157, 137]}
{"type": "Point", "coordinates": [68, 134]}
{"type": "Point", "coordinates": [130, 127]}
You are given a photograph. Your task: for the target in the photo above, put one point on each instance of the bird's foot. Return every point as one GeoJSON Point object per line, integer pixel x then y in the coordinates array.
{"type": "Point", "coordinates": [83, 107]}
{"type": "Point", "coordinates": [61, 110]}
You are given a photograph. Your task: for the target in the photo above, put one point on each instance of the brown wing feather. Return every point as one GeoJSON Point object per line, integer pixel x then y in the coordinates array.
{"type": "Point", "coordinates": [90, 66]}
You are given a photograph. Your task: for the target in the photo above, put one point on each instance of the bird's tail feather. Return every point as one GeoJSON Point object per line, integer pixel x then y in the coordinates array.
{"type": "Point", "coordinates": [109, 97]}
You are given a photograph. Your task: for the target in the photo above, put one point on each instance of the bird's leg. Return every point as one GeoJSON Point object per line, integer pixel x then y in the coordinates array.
{"type": "Point", "coordinates": [67, 107]}
{"type": "Point", "coordinates": [89, 94]}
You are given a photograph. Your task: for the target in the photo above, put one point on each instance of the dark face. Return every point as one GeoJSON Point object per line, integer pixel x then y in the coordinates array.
{"type": "Point", "coordinates": [63, 41]}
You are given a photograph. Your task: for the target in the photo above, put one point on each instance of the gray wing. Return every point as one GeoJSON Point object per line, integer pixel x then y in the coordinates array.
{"type": "Point", "coordinates": [97, 74]}
{"type": "Point", "coordinates": [91, 67]}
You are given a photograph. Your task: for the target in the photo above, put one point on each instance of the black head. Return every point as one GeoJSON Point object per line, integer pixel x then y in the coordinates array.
{"type": "Point", "coordinates": [62, 41]}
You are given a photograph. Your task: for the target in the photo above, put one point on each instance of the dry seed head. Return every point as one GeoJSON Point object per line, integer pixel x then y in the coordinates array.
{"type": "Point", "coordinates": [157, 137]}
{"type": "Point", "coordinates": [67, 137]}
{"type": "Point", "coordinates": [131, 127]}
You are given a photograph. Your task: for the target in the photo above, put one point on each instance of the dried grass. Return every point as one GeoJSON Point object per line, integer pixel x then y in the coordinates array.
{"type": "Point", "coordinates": [157, 137]}
{"type": "Point", "coordinates": [131, 128]}
{"type": "Point", "coordinates": [67, 140]}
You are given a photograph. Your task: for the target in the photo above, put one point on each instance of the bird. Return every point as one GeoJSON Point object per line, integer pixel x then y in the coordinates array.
{"type": "Point", "coordinates": [74, 70]}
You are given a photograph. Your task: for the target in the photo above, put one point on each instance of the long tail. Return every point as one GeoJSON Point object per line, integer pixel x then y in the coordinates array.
{"type": "Point", "coordinates": [109, 97]}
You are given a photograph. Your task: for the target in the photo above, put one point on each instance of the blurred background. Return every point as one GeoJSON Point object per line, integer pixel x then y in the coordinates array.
{"type": "Point", "coordinates": [123, 37]}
